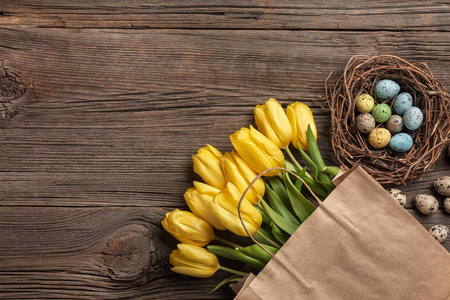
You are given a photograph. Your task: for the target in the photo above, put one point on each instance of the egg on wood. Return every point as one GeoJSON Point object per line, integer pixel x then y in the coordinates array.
{"type": "Point", "coordinates": [386, 89]}
{"type": "Point", "coordinates": [426, 204]}
{"type": "Point", "coordinates": [442, 185]}
{"type": "Point", "coordinates": [439, 232]}
{"type": "Point", "coordinates": [397, 195]}
{"type": "Point", "coordinates": [447, 204]}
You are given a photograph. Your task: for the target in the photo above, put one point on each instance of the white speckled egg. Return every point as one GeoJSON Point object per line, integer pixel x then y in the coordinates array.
{"type": "Point", "coordinates": [426, 204]}
{"type": "Point", "coordinates": [401, 142]}
{"type": "Point", "coordinates": [398, 196]}
{"type": "Point", "coordinates": [364, 103]}
{"type": "Point", "coordinates": [381, 112]}
{"type": "Point", "coordinates": [412, 118]}
{"type": "Point", "coordinates": [386, 89]}
{"type": "Point", "coordinates": [402, 102]}
{"type": "Point", "coordinates": [442, 186]}
{"type": "Point", "coordinates": [439, 232]}
{"type": "Point", "coordinates": [379, 138]}
{"type": "Point", "coordinates": [365, 123]}
{"type": "Point", "coordinates": [395, 124]}
{"type": "Point", "coordinates": [447, 204]}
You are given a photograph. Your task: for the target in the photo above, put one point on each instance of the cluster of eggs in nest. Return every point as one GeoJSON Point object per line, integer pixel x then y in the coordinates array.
{"type": "Point", "coordinates": [393, 129]}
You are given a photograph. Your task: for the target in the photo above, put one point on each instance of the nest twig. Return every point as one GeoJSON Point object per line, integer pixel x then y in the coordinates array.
{"type": "Point", "coordinates": [351, 147]}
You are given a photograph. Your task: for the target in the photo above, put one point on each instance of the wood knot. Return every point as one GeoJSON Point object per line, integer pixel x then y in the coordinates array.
{"type": "Point", "coordinates": [11, 85]}
{"type": "Point", "coordinates": [128, 253]}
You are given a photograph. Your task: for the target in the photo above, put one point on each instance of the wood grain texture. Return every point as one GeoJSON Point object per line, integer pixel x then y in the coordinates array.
{"type": "Point", "coordinates": [98, 122]}
{"type": "Point", "coordinates": [225, 14]}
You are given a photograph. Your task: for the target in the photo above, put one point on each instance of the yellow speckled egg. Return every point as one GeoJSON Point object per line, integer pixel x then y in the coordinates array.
{"type": "Point", "coordinates": [379, 138]}
{"type": "Point", "coordinates": [364, 103]}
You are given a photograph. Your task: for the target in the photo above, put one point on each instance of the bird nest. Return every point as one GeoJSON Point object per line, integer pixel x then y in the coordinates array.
{"type": "Point", "coordinates": [352, 147]}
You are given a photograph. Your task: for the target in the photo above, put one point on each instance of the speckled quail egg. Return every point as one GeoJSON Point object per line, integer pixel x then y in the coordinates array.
{"type": "Point", "coordinates": [397, 195]}
{"type": "Point", "coordinates": [365, 123]}
{"type": "Point", "coordinates": [379, 138]}
{"type": "Point", "coordinates": [439, 232]}
{"type": "Point", "coordinates": [426, 204]}
{"type": "Point", "coordinates": [387, 89]}
{"type": "Point", "coordinates": [442, 186]}
{"type": "Point", "coordinates": [401, 142]}
{"type": "Point", "coordinates": [395, 124]}
{"type": "Point", "coordinates": [412, 118]}
{"type": "Point", "coordinates": [381, 112]}
{"type": "Point", "coordinates": [364, 103]}
{"type": "Point", "coordinates": [447, 204]}
{"type": "Point", "coordinates": [402, 102]}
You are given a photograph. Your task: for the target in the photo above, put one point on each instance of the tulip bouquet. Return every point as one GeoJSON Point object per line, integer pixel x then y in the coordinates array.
{"type": "Point", "coordinates": [257, 178]}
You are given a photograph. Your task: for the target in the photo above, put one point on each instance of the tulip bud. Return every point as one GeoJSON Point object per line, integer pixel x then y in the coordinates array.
{"type": "Point", "coordinates": [257, 151]}
{"type": "Point", "coordinates": [300, 116]}
{"type": "Point", "coordinates": [207, 164]}
{"type": "Point", "coordinates": [199, 199]}
{"type": "Point", "coordinates": [188, 228]}
{"type": "Point", "coordinates": [273, 123]}
{"type": "Point", "coordinates": [193, 261]}
{"type": "Point", "coordinates": [225, 208]}
{"type": "Point", "coordinates": [239, 173]}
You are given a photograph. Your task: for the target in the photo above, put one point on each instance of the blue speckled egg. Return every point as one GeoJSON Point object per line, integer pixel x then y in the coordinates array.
{"type": "Point", "coordinates": [401, 142]}
{"type": "Point", "coordinates": [402, 102]}
{"type": "Point", "coordinates": [412, 118]}
{"type": "Point", "coordinates": [386, 89]}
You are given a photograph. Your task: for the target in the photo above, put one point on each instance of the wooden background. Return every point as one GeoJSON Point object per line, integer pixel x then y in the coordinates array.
{"type": "Point", "coordinates": [103, 103]}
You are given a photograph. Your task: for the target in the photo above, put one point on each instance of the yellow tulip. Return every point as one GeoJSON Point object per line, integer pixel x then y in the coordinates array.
{"type": "Point", "coordinates": [208, 164]}
{"type": "Point", "coordinates": [239, 173]}
{"type": "Point", "coordinates": [272, 121]}
{"type": "Point", "coordinates": [300, 116]}
{"type": "Point", "coordinates": [225, 208]}
{"type": "Point", "coordinates": [193, 261]}
{"type": "Point", "coordinates": [257, 151]}
{"type": "Point", "coordinates": [199, 199]}
{"type": "Point", "coordinates": [188, 228]}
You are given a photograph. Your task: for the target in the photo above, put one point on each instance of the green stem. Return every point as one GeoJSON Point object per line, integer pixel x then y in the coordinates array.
{"type": "Point", "coordinates": [226, 242]}
{"type": "Point", "coordinates": [270, 241]}
{"type": "Point", "coordinates": [291, 156]}
{"type": "Point", "coordinates": [233, 271]}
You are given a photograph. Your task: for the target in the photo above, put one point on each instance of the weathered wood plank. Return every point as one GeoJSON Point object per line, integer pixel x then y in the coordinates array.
{"type": "Point", "coordinates": [82, 253]}
{"type": "Point", "coordinates": [253, 14]}
{"type": "Point", "coordinates": [102, 253]}
{"type": "Point", "coordinates": [111, 117]}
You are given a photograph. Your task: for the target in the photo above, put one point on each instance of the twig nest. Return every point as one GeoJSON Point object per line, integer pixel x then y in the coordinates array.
{"type": "Point", "coordinates": [442, 185]}
{"type": "Point", "coordinates": [429, 96]}
{"type": "Point", "coordinates": [397, 195]}
{"type": "Point", "coordinates": [426, 204]}
{"type": "Point", "coordinates": [439, 232]}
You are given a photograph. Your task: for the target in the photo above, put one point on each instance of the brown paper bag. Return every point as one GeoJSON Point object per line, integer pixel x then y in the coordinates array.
{"type": "Point", "coordinates": [359, 244]}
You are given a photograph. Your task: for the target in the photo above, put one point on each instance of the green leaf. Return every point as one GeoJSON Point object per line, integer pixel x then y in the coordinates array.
{"type": "Point", "coordinates": [291, 167]}
{"type": "Point", "coordinates": [265, 232]}
{"type": "Point", "coordinates": [298, 182]}
{"type": "Point", "coordinates": [331, 170]}
{"type": "Point", "coordinates": [280, 235]}
{"type": "Point", "coordinates": [258, 253]}
{"type": "Point", "coordinates": [302, 207]}
{"type": "Point", "coordinates": [265, 218]}
{"type": "Point", "coordinates": [309, 162]}
{"type": "Point", "coordinates": [233, 278]}
{"type": "Point", "coordinates": [234, 254]}
{"type": "Point", "coordinates": [281, 221]}
{"type": "Point", "coordinates": [279, 189]}
{"type": "Point", "coordinates": [278, 206]}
